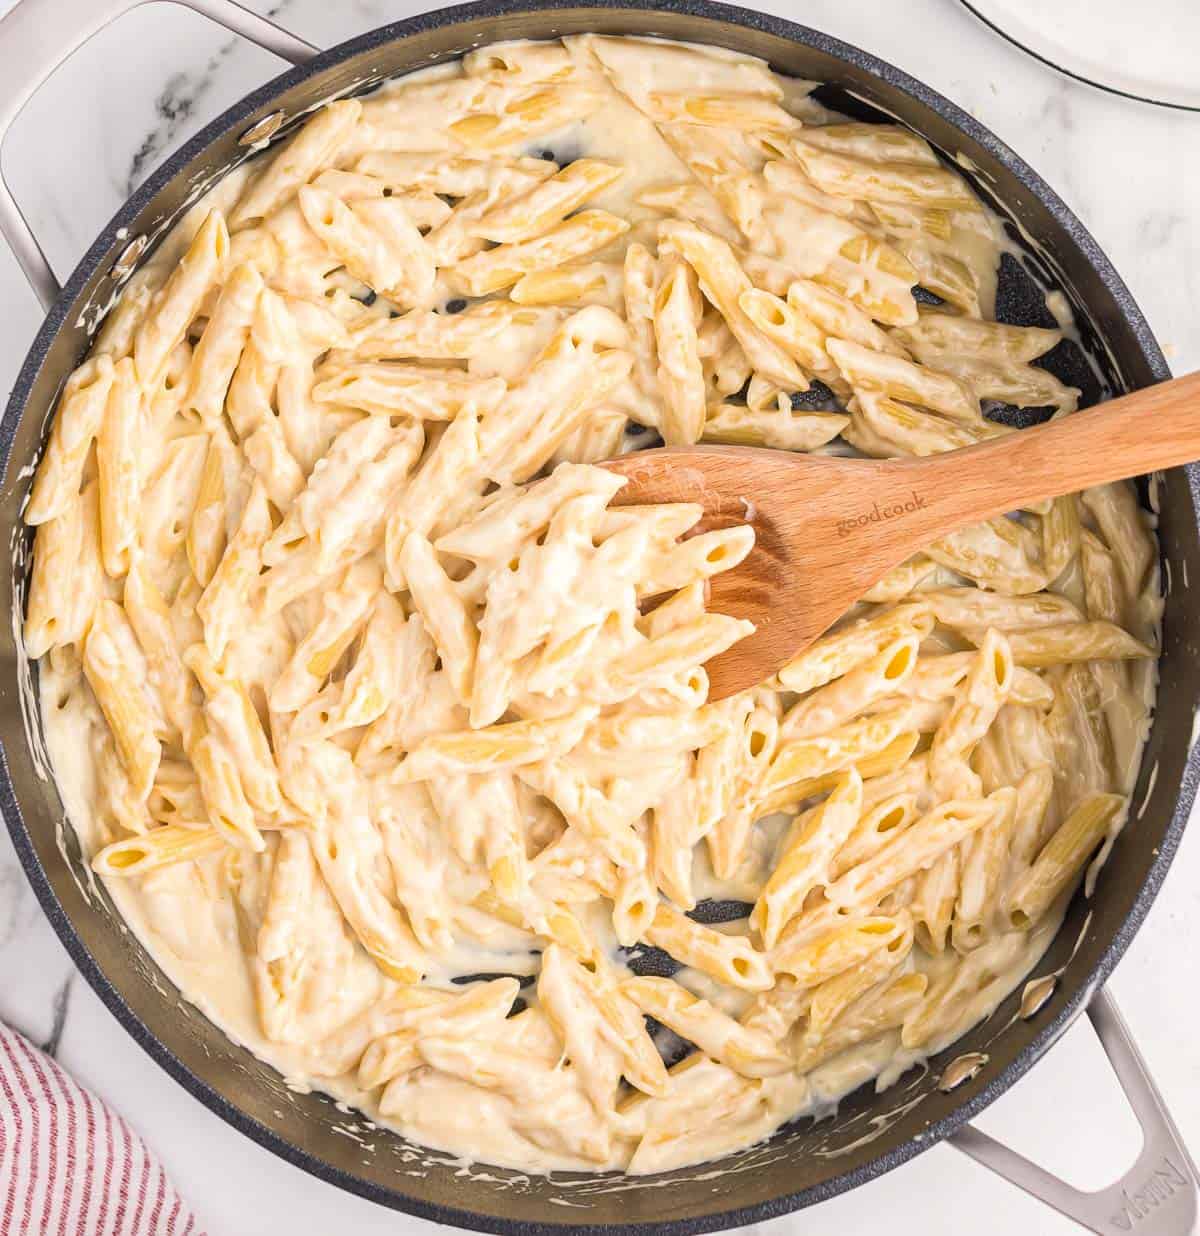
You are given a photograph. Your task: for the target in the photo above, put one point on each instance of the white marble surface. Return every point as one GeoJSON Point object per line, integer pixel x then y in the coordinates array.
{"type": "Point", "coordinates": [1128, 170]}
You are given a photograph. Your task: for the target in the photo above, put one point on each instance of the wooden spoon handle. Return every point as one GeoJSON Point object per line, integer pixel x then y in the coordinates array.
{"type": "Point", "coordinates": [1158, 427]}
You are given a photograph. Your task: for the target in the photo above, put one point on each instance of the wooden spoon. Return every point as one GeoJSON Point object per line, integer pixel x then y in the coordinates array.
{"type": "Point", "coordinates": [828, 528]}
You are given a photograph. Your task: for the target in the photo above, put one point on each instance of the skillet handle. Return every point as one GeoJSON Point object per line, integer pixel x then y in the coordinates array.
{"type": "Point", "coordinates": [38, 35]}
{"type": "Point", "coordinates": [1158, 1196]}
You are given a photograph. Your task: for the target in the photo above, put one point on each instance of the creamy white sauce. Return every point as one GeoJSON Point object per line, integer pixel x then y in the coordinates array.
{"type": "Point", "coordinates": [190, 922]}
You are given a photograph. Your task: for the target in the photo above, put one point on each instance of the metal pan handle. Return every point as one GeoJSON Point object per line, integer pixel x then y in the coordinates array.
{"type": "Point", "coordinates": [1158, 1196]}
{"type": "Point", "coordinates": [38, 35]}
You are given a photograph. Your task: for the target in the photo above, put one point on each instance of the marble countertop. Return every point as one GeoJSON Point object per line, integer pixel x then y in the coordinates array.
{"type": "Point", "coordinates": [1127, 169]}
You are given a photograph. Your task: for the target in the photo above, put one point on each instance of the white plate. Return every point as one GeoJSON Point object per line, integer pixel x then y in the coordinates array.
{"type": "Point", "coordinates": [1146, 49]}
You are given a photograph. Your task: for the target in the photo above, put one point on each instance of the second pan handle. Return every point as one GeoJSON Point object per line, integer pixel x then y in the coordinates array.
{"type": "Point", "coordinates": [1158, 1196]}
{"type": "Point", "coordinates": [38, 35]}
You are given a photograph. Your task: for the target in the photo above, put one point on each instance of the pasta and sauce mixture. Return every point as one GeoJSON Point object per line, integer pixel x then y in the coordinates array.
{"type": "Point", "coordinates": [389, 733]}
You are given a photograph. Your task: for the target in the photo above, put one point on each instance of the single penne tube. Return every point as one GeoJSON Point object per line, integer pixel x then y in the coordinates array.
{"type": "Point", "coordinates": [120, 325]}
{"type": "Point", "coordinates": [228, 592]}
{"type": "Point", "coordinates": [575, 284]}
{"type": "Point", "coordinates": [501, 267]}
{"type": "Point", "coordinates": [971, 607]}
{"type": "Point", "coordinates": [729, 959]}
{"type": "Point", "coordinates": [655, 661]}
{"type": "Point", "coordinates": [178, 301]}
{"type": "Point", "coordinates": [205, 539]}
{"type": "Point", "coordinates": [158, 848]}
{"type": "Point", "coordinates": [749, 112]}
{"type": "Point", "coordinates": [806, 856]}
{"type": "Point", "coordinates": [216, 355]}
{"type": "Point", "coordinates": [115, 669]}
{"type": "Point", "coordinates": [492, 748]}
{"type": "Point", "coordinates": [925, 840]}
{"type": "Point", "coordinates": [68, 580]}
{"type": "Point", "coordinates": [942, 334]}
{"type": "Point", "coordinates": [1000, 554]}
{"type": "Point", "coordinates": [1071, 642]}
{"type": "Point", "coordinates": [834, 654]}
{"type": "Point", "coordinates": [726, 758]}
{"type": "Point", "coordinates": [350, 854]}
{"type": "Point", "coordinates": [883, 143]}
{"type": "Point", "coordinates": [221, 788]}
{"type": "Point", "coordinates": [313, 148]}
{"type": "Point", "coordinates": [77, 423]}
{"type": "Point", "coordinates": [811, 962]}
{"type": "Point", "coordinates": [455, 174]}
{"type": "Point", "coordinates": [633, 907]}
{"type": "Point", "coordinates": [677, 312]}
{"type": "Point", "coordinates": [639, 281]}
{"type": "Point", "coordinates": [673, 836]}
{"type": "Point", "coordinates": [548, 203]}
{"type": "Point", "coordinates": [804, 759]}
{"type": "Point", "coordinates": [977, 702]}
{"type": "Point", "coordinates": [1034, 792]}
{"type": "Point", "coordinates": [716, 1033]}
{"type": "Point", "coordinates": [1061, 860]}
{"type": "Point", "coordinates": [886, 428]}
{"type": "Point", "coordinates": [542, 108]}
{"type": "Point", "coordinates": [916, 184]}
{"type": "Point", "coordinates": [1060, 536]}
{"type": "Point", "coordinates": [799, 337]}
{"type": "Point", "coordinates": [698, 558]}
{"type": "Point", "coordinates": [900, 582]}
{"type": "Point", "coordinates": [874, 828]}
{"type": "Point", "coordinates": [117, 469]}
{"type": "Point", "coordinates": [845, 697]}
{"type": "Point", "coordinates": [390, 389]}
{"type": "Point", "coordinates": [728, 814]}
{"type": "Point", "coordinates": [781, 430]}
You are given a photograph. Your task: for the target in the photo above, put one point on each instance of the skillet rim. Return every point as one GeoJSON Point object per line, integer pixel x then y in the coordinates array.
{"type": "Point", "coordinates": [200, 1089]}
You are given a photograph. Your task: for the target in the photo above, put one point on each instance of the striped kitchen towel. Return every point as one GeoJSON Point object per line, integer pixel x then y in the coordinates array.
{"type": "Point", "coordinates": [69, 1165]}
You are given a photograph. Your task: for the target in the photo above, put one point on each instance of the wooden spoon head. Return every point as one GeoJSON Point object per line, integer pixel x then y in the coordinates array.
{"type": "Point", "coordinates": [802, 574]}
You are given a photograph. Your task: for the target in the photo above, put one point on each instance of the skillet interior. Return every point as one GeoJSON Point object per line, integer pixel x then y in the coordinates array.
{"type": "Point", "coordinates": [805, 1163]}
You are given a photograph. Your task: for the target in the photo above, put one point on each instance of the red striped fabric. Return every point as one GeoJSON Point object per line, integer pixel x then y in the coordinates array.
{"type": "Point", "coordinates": [69, 1166]}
